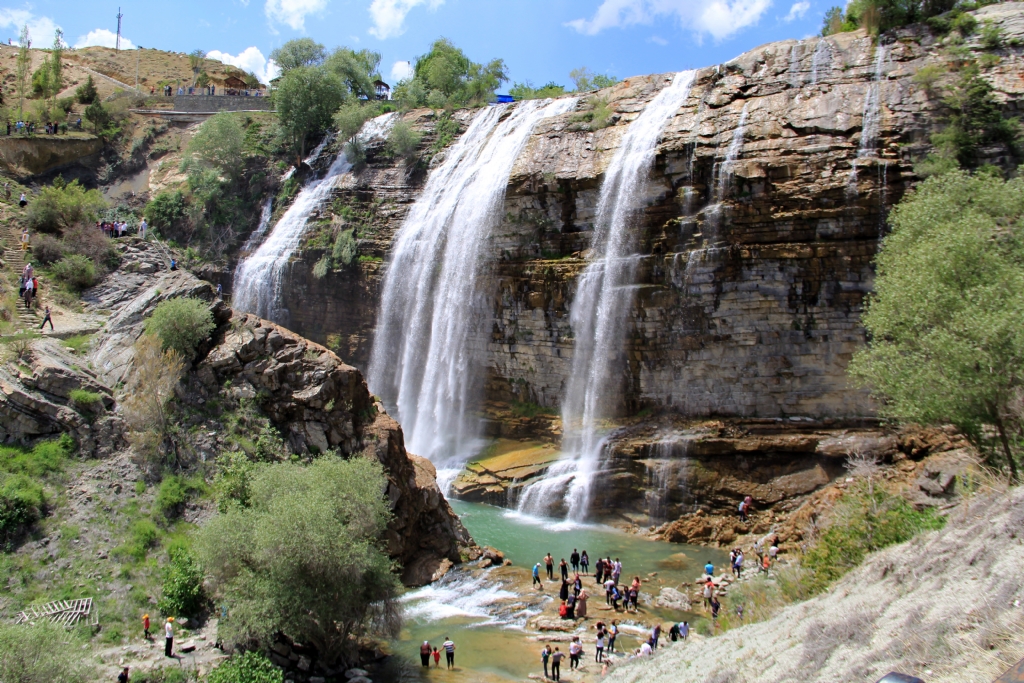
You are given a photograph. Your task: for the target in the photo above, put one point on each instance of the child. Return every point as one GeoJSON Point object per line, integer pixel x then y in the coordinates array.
{"type": "Point", "coordinates": [437, 658]}
{"type": "Point", "coordinates": [145, 617]}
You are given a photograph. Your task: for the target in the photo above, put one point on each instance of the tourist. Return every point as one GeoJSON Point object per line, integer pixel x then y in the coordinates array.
{"type": "Point", "coordinates": [673, 632]}
{"type": "Point", "coordinates": [765, 564]}
{"type": "Point", "coordinates": [574, 559]}
{"type": "Point", "coordinates": [145, 627]}
{"type": "Point", "coordinates": [29, 287]}
{"type": "Point", "coordinates": [715, 607]}
{"type": "Point", "coordinates": [738, 564]}
{"type": "Point", "coordinates": [556, 664]}
{"type": "Point", "coordinates": [220, 291]}
{"type": "Point", "coordinates": [7, 190]}
{"type": "Point", "coordinates": [709, 569]}
{"type": "Point", "coordinates": [646, 650]}
{"type": "Point", "coordinates": [563, 610]}
{"type": "Point", "coordinates": [739, 612]}
{"type": "Point", "coordinates": [563, 567]}
{"type": "Point", "coordinates": [599, 571]}
{"type": "Point", "coordinates": [608, 586]}
{"type": "Point", "coordinates": [616, 596]}
{"type": "Point", "coordinates": [684, 630]}
{"type": "Point", "coordinates": [575, 650]}
{"type": "Point", "coordinates": [449, 652]}
{"type": "Point", "coordinates": [773, 551]}
{"type": "Point", "coordinates": [655, 635]}
{"type": "Point", "coordinates": [24, 238]}
{"type": "Point", "coordinates": [437, 657]}
{"type": "Point", "coordinates": [709, 589]}
{"type": "Point", "coordinates": [577, 585]}
{"type": "Point", "coordinates": [549, 563]}
{"type": "Point", "coordinates": [142, 228]}
{"type": "Point", "coordinates": [545, 654]}
{"type": "Point", "coordinates": [632, 594]}
{"type": "Point", "coordinates": [613, 633]}
{"type": "Point", "coordinates": [123, 676]}
{"type": "Point", "coordinates": [563, 592]}
{"type": "Point", "coordinates": [570, 607]}
{"type": "Point", "coordinates": [616, 570]}
{"type": "Point", "coordinates": [536, 576]}
{"type": "Point", "coordinates": [169, 637]}
{"type": "Point", "coordinates": [759, 550]}
{"type": "Point", "coordinates": [743, 510]}
{"type": "Point", "coordinates": [581, 604]}
{"type": "Point", "coordinates": [599, 646]}
{"type": "Point", "coordinates": [174, 264]}
{"type": "Point", "coordinates": [584, 562]}
{"type": "Point", "coordinates": [48, 319]}
{"type": "Point", "coordinates": [425, 654]}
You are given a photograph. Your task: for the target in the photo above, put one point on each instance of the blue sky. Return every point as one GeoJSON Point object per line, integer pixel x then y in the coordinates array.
{"type": "Point", "coordinates": [540, 40]}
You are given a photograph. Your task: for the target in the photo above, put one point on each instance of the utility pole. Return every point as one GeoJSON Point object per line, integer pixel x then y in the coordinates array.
{"type": "Point", "coordinates": [137, 58]}
{"type": "Point", "coordinates": [118, 44]}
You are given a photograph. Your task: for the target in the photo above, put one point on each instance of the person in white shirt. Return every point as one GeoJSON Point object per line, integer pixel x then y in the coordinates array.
{"type": "Point", "coordinates": [142, 229]}
{"type": "Point", "coordinates": [169, 637]}
{"type": "Point", "coordinates": [646, 650]}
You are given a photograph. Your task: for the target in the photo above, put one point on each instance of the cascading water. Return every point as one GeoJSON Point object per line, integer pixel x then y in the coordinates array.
{"type": "Point", "coordinates": [429, 329]}
{"type": "Point", "coordinates": [796, 79]}
{"type": "Point", "coordinates": [822, 58]}
{"type": "Point", "coordinates": [871, 118]}
{"type": "Point", "coordinates": [599, 313]}
{"type": "Point", "coordinates": [733, 153]}
{"type": "Point", "coordinates": [258, 277]}
{"type": "Point", "coordinates": [257, 235]}
{"type": "Point", "coordinates": [667, 472]}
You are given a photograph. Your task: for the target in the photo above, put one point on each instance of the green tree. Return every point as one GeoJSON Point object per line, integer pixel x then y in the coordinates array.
{"type": "Point", "coordinates": [86, 93]}
{"type": "Point", "coordinates": [584, 79]}
{"type": "Point", "coordinates": [23, 66]}
{"type": "Point", "coordinates": [946, 343]}
{"type": "Point", "coordinates": [182, 324]}
{"type": "Point", "coordinates": [526, 91]}
{"type": "Point", "coordinates": [196, 62]}
{"type": "Point", "coordinates": [61, 205]}
{"type": "Point", "coordinates": [306, 99]}
{"type": "Point", "coordinates": [76, 272]}
{"type": "Point", "coordinates": [445, 76]}
{"type": "Point", "coordinates": [219, 142]}
{"type": "Point", "coordinates": [41, 653]}
{"type": "Point", "coordinates": [98, 116]}
{"type": "Point", "coordinates": [306, 557]}
{"type": "Point", "coordinates": [56, 65]}
{"type": "Point", "coordinates": [357, 70]}
{"type": "Point", "coordinates": [833, 21]}
{"type": "Point", "coordinates": [402, 141]}
{"type": "Point", "coordinates": [165, 209]}
{"type": "Point", "coordinates": [974, 118]}
{"type": "Point", "coordinates": [299, 53]}
{"type": "Point", "coordinates": [249, 667]}
{"type": "Point", "coordinates": [182, 592]}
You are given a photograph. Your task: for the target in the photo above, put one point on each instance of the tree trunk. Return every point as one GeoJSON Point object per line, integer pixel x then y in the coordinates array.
{"type": "Point", "coordinates": [1006, 446]}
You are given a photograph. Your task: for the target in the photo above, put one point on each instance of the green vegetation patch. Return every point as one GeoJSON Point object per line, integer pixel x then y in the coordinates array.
{"type": "Point", "coordinates": [181, 324]}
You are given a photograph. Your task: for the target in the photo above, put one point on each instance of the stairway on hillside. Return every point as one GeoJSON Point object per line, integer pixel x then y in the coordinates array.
{"type": "Point", "coordinates": [14, 261]}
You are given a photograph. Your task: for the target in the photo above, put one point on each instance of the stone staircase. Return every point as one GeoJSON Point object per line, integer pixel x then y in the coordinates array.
{"type": "Point", "coordinates": [15, 260]}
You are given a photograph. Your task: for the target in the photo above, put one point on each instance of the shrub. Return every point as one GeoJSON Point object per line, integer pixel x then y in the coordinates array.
{"type": "Point", "coordinates": [62, 205]}
{"type": "Point", "coordinates": [445, 131]}
{"type": "Point", "coordinates": [991, 35]}
{"type": "Point", "coordinates": [91, 243]}
{"type": "Point", "coordinates": [143, 535]}
{"type": "Point", "coordinates": [145, 402]}
{"type": "Point", "coordinates": [86, 93]}
{"type": "Point", "coordinates": [250, 667]}
{"type": "Point", "coordinates": [182, 590]}
{"type": "Point", "coordinates": [309, 532]}
{"type": "Point", "coordinates": [98, 116]}
{"type": "Point", "coordinates": [234, 478]}
{"type": "Point", "coordinates": [166, 209]}
{"type": "Point", "coordinates": [86, 399]}
{"type": "Point", "coordinates": [47, 249]}
{"type": "Point", "coordinates": [402, 141]}
{"type": "Point", "coordinates": [345, 248]}
{"type": "Point", "coordinates": [181, 324]}
{"type": "Point", "coordinates": [218, 142]}
{"type": "Point", "coordinates": [41, 653]}
{"type": "Point", "coordinates": [75, 272]}
{"type": "Point", "coordinates": [21, 505]}
{"type": "Point", "coordinates": [173, 493]}
{"type": "Point", "coordinates": [45, 457]}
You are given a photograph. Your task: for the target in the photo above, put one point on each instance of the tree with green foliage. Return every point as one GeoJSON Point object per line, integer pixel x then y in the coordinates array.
{"type": "Point", "coordinates": [882, 15]}
{"type": "Point", "coordinates": [22, 503]}
{"type": "Point", "coordinates": [356, 69]}
{"type": "Point", "coordinates": [351, 116]}
{"type": "Point", "coordinates": [946, 343]}
{"type": "Point", "coordinates": [403, 140]}
{"type": "Point", "coordinates": [76, 272]}
{"type": "Point", "coordinates": [306, 99]}
{"type": "Point", "coordinates": [98, 116]}
{"type": "Point", "coordinates": [298, 53]}
{"type": "Point", "coordinates": [61, 205]}
{"type": "Point", "coordinates": [56, 64]}
{"type": "Point", "coordinates": [22, 68]}
{"type": "Point", "coordinates": [41, 653]}
{"type": "Point", "coordinates": [306, 557]}
{"type": "Point", "coordinates": [220, 143]}
{"type": "Point", "coordinates": [526, 91]}
{"type": "Point", "coordinates": [446, 77]}
{"type": "Point", "coordinates": [165, 209]}
{"type": "Point", "coordinates": [248, 667]}
{"type": "Point", "coordinates": [182, 324]}
{"type": "Point", "coordinates": [146, 402]}
{"type": "Point", "coordinates": [197, 63]}
{"type": "Point", "coordinates": [584, 79]}
{"type": "Point", "coordinates": [182, 592]}
{"type": "Point", "coordinates": [86, 93]}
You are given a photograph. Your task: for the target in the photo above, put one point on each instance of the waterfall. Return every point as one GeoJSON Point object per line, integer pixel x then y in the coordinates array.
{"type": "Point", "coordinates": [667, 471]}
{"type": "Point", "coordinates": [822, 57]}
{"type": "Point", "coordinates": [733, 153]}
{"type": "Point", "coordinates": [430, 330]}
{"type": "Point", "coordinates": [600, 310]}
{"type": "Point", "coordinates": [795, 78]}
{"type": "Point", "coordinates": [871, 118]}
{"type": "Point", "coordinates": [257, 235]}
{"type": "Point", "coordinates": [258, 276]}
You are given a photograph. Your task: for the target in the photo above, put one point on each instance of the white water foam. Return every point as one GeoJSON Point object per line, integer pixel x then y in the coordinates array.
{"type": "Point", "coordinates": [600, 311]}
{"type": "Point", "coordinates": [457, 594]}
{"type": "Point", "coordinates": [822, 58]}
{"type": "Point", "coordinates": [871, 118]}
{"type": "Point", "coordinates": [258, 277]}
{"type": "Point", "coordinates": [257, 235]}
{"type": "Point", "coordinates": [430, 328]}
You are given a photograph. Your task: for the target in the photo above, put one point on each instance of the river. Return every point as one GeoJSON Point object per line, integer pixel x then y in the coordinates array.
{"type": "Point", "coordinates": [486, 613]}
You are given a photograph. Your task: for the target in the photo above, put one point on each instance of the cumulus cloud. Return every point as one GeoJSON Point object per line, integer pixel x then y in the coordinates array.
{"type": "Point", "coordinates": [40, 29]}
{"type": "Point", "coordinates": [103, 38]}
{"type": "Point", "coordinates": [798, 10]}
{"type": "Point", "coordinates": [249, 59]}
{"type": "Point", "coordinates": [389, 15]}
{"type": "Point", "coordinates": [401, 71]}
{"type": "Point", "coordinates": [720, 18]}
{"type": "Point", "coordinates": [293, 12]}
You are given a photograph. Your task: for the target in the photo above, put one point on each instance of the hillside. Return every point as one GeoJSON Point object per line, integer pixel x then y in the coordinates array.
{"type": "Point", "coordinates": [946, 606]}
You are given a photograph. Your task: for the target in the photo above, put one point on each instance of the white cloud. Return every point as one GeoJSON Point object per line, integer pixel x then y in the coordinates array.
{"type": "Point", "coordinates": [40, 29]}
{"type": "Point", "coordinates": [389, 15]}
{"type": "Point", "coordinates": [720, 18]}
{"type": "Point", "coordinates": [798, 10]}
{"type": "Point", "coordinates": [249, 59]}
{"type": "Point", "coordinates": [401, 71]}
{"type": "Point", "coordinates": [657, 40]}
{"type": "Point", "coordinates": [103, 38]}
{"type": "Point", "coordinates": [293, 12]}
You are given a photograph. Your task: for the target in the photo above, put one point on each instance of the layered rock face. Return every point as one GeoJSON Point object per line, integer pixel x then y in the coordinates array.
{"type": "Point", "coordinates": [315, 400]}
{"type": "Point", "coordinates": [767, 200]}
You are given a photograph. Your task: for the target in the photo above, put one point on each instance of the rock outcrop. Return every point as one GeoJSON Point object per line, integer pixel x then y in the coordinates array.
{"type": "Point", "coordinates": [316, 401]}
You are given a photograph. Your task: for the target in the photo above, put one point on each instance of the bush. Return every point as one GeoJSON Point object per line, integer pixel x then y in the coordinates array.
{"type": "Point", "coordinates": [75, 272]}
{"type": "Point", "coordinates": [174, 492]}
{"type": "Point", "coordinates": [345, 248]}
{"type": "Point", "coordinates": [98, 116]}
{"type": "Point", "coordinates": [62, 205]}
{"type": "Point", "coordinates": [21, 505]}
{"type": "Point", "coordinates": [181, 324]}
{"type": "Point", "coordinates": [250, 667]}
{"type": "Point", "coordinates": [219, 143]}
{"type": "Point", "coordinates": [402, 141]}
{"type": "Point", "coordinates": [86, 93]}
{"type": "Point", "coordinates": [166, 209]}
{"type": "Point", "coordinates": [46, 249]}
{"type": "Point", "coordinates": [41, 653]}
{"type": "Point", "coordinates": [45, 458]}
{"type": "Point", "coordinates": [143, 536]}
{"type": "Point", "coordinates": [86, 399]}
{"type": "Point", "coordinates": [145, 402]}
{"type": "Point", "coordinates": [309, 532]}
{"type": "Point", "coordinates": [87, 241]}
{"type": "Point", "coordinates": [182, 592]}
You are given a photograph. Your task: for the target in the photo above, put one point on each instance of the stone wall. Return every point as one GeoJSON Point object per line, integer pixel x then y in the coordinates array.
{"type": "Point", "coordinates": [205, 103]}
